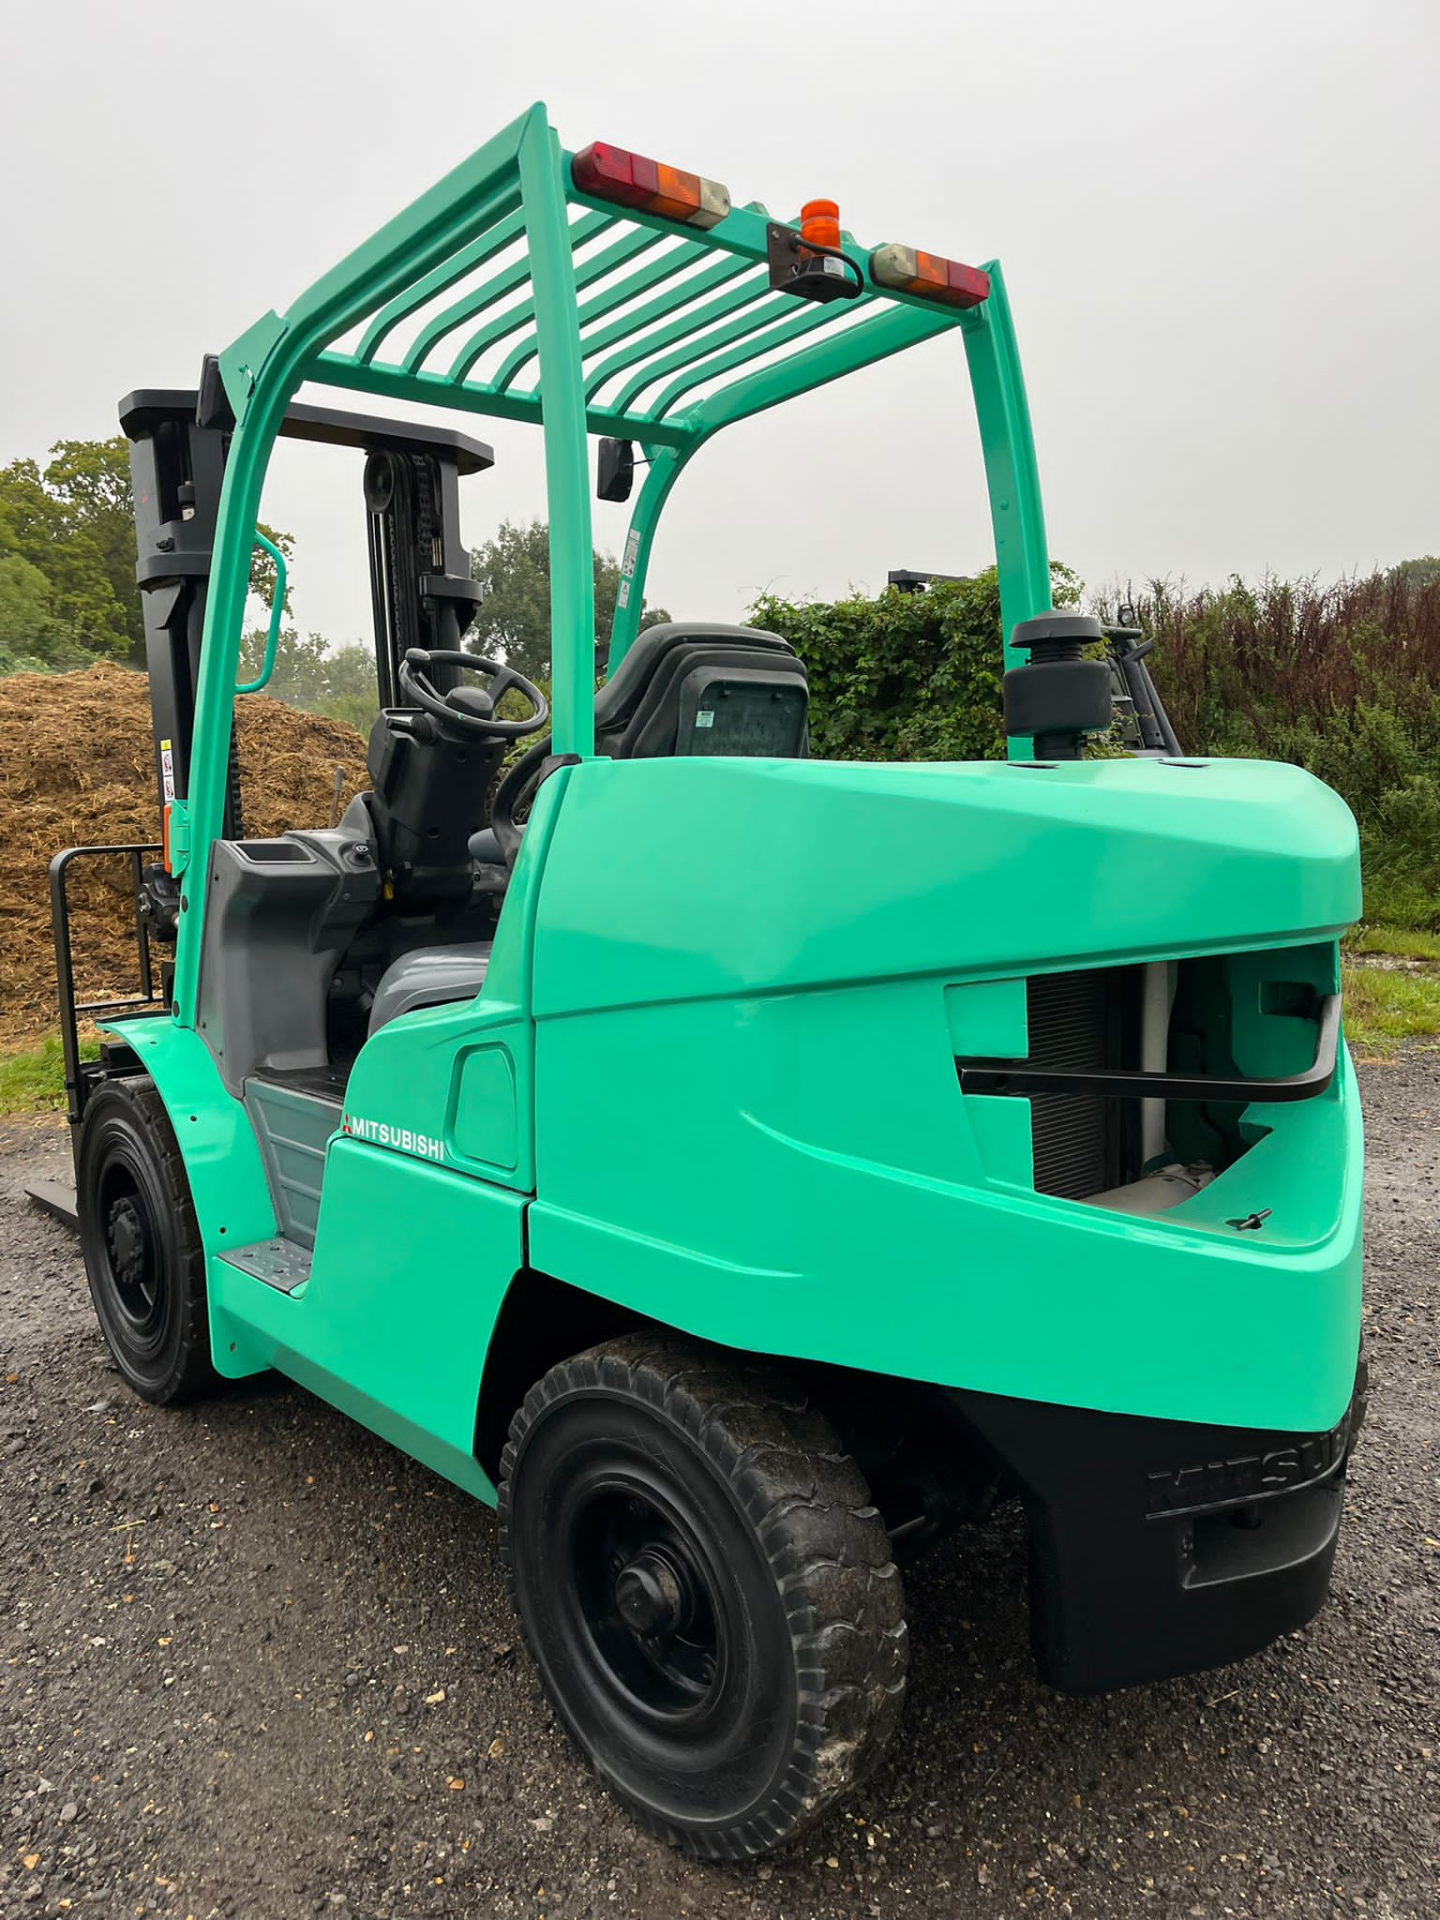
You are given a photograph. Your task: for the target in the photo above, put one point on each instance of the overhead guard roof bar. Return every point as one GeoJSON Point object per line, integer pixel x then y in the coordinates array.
{"type": "Point", "coordinates": [587, 272]}
{"type": "Point", "coordinates": [700, 316]}
{"type": "Point", "coordinates": [439, 280]}
{"type": "Point", "coordinates": [687, 317]}
{"type": "Point", "coordinates": [477, 299]}
{"type": "Point", "coordinates": [694, 310]}
{"type": "Point", "coordinates": [663, 307]}
{"type": "Point", "coordinates": [702, 322]}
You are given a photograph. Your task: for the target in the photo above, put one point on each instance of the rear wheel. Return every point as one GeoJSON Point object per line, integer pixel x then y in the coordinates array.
{"type": "Point", "coordinates": [705, 1587]}
{"type": "Point", "coordinates": [141, 1243]}
{"type": "Point", "coordinates": [1359, 1401]}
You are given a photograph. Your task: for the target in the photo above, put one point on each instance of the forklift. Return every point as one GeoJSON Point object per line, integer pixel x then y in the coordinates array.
{"type": "Point", "coordinates": [743, 1170]}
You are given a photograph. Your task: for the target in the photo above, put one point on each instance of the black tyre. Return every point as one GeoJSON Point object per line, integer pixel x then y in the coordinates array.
{"type": "Point", "coordinates": [141, 1242]}
{"type": "Point", "coordinates": [706, 1589]}
{"type": "Point", "coordinates": [1359, 1402]}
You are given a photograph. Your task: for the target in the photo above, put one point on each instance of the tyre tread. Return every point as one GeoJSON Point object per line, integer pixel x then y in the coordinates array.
{"type": "Point", "coordinates": [192, 1374]}
{"type": "Point", "coordinates": [827, 1547]}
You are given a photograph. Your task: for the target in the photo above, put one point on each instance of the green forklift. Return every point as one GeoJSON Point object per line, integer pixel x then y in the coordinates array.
{"type": "Point", "coordinates": [741, 1169]}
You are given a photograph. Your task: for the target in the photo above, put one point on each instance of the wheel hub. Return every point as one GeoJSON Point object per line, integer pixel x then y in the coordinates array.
{"type": "Point", "coordinates": [127, 1243]}
{"type": "Point", "coordinates": [650, 1594]}
{"type": "Point", "coordinates": [646, 1595]}
{"type": "Point", "coordinates": [134, 1261]}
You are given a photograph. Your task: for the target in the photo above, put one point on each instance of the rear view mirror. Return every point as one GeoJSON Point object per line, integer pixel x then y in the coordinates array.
{"type": "Point", "coordinates": [616, 472]}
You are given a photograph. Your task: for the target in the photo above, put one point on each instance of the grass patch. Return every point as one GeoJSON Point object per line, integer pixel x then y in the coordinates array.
{"type": "Point", "coordinates": [1384, 1007]}
{"type": "Point", "coordinates": [34, 1082]}
{"type": "Point", "coordinates": [1407, 943]}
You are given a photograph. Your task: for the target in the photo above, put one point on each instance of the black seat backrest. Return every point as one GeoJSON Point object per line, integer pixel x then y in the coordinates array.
{"type": "Point", "coordinates": [693, 688]}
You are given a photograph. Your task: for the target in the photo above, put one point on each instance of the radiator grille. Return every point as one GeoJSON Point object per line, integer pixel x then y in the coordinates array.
{"type": "Point", "coordinates": [1076, 1021]}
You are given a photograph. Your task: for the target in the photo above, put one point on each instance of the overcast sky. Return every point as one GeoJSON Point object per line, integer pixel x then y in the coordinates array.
{"type": "Point", "coordinates": [1217, 220]}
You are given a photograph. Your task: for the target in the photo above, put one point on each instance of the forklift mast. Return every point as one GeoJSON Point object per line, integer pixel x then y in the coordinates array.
{"type": "Point", "coordinates": [421, 591]}
{"type": "Point", "coordinates": [176, 467]}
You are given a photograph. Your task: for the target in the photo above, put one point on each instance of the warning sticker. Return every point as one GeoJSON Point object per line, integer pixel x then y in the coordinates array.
{"type": "Point", "coordinates": [632, 551]}
{"type": "Point", "coordinates": [622, 597]}
{"type": "Point", "coordinates": [167, 770]}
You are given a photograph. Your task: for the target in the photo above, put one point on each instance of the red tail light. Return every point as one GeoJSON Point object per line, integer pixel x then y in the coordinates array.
{"type": "Point", "coordinates": [928, 276]}
{"type": "Point", "coordinates": [610, 173]}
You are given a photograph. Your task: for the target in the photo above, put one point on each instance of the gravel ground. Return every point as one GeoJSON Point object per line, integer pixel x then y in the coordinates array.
{"type": "Point", "coordinates": [256, 1664]}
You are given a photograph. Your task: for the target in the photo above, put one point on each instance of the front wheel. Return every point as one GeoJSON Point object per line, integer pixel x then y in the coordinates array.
{"type": "Point", "coordinates": [706, 1589]}
{"type": "Point", "coordinates": [141, 1242]}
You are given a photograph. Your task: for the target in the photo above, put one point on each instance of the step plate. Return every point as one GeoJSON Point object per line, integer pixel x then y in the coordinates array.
{"type": "Point", "coordinates": [282, 1264]}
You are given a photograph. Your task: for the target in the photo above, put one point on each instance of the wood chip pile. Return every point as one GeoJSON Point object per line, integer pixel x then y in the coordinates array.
{"type": "Point", "coordinates": [76, 759]}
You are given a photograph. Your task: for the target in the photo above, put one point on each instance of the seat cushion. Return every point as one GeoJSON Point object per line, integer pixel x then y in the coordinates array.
{"type": "Point", "coordinates": [429, 977]}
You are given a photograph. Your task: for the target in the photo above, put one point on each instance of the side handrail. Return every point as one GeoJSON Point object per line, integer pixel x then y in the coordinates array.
{"type": "Point", "coordinates": [277, 614]}
{"type": "Point", "coordinates": [148, 999]}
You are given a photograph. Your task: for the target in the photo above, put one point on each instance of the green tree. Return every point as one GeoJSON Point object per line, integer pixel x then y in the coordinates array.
{"type": "Point", "coordinates": [308, 674]}
{"type": "Point", "coordinates": [33, 637]}
{"type": "Point", "coordinates": [350, 692]}
{"type": "Point", "coordinates": [63, 528]}
{"type": "Point", "coordinates": [90, 482]}
{"type": "Point", "coordinates": [67, 547]}
{"type": "Point", "coordinates": [298, 675]}
{"type": "Point", "coordinates": [263, 576]}
{"type": "Point", "coordinates": [513, 620]}
{"type": "Point", "coordinates": [904, 676]}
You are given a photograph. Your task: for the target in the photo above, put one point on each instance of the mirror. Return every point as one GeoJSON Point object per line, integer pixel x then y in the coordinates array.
{"type": "Point", "coordinates": [616, 473]}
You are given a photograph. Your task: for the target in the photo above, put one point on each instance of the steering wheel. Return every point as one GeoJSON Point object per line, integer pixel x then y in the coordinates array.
{"type": "Point", "coordinates": [512, 791]}
{"type": "Point", "coordinates": [472, 709]}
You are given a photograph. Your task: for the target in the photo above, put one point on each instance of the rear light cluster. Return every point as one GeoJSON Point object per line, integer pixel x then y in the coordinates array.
{"type": "Point", "coordinates": [928, 276]}
{"type": "Point", "coordinates": [631, 180]}
{"type": "Point", "coordinates": [610, 173]}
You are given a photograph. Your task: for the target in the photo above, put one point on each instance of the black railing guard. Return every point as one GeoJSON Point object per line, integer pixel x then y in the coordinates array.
{"type": "Point", "coordinates": [1019, 1076]}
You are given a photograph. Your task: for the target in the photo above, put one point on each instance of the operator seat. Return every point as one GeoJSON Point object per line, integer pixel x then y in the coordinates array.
{"type": "Point", "coordinates": [683, 689]}
{"type": "Point", "coordinates": [689, 687]}
{"type": "Point", "coordinates": [430, 977]}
